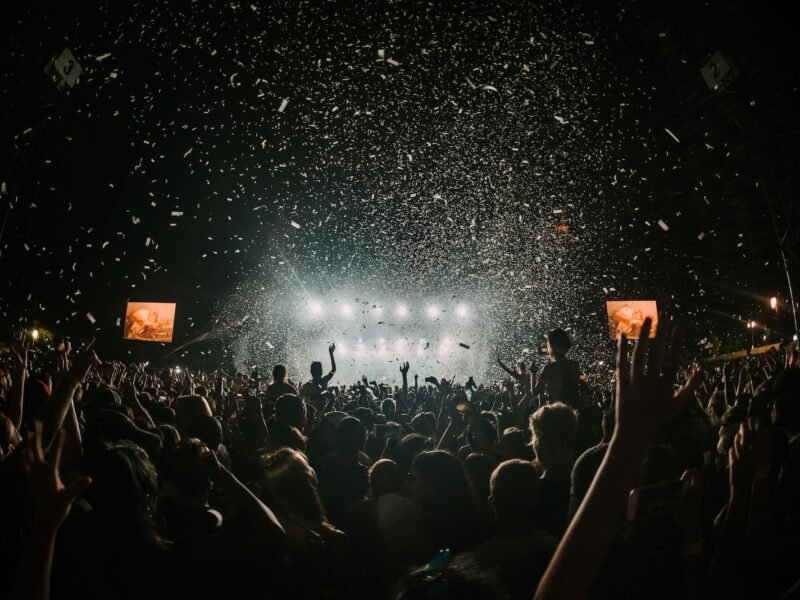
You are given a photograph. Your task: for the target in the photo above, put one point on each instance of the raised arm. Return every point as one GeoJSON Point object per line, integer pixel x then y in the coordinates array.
{"type": "Point", "coordinates": [645, 401]}
{"type": "Point", "coordinates": [331, 350]}
{"type": "Point", "coordinates": [55, 408]}
{"type": "Point", "coordinates": [404, 372]}
{"type": "Point", "coordinates": [19, 373]}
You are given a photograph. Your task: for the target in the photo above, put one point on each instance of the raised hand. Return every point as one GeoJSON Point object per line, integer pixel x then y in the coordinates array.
{"type": "Point", "coordinates": [20, 344]}
{"type": "Point", "coordinates": [404, 369]}
{"type": "Point", "coordinates": [84, 361]}
{"type": "Point", "coordinates": [645, 397]}
{"type": "Point", "coordinates": [331, 348]}
{"type": "Point", "coordinates": [51, 499]}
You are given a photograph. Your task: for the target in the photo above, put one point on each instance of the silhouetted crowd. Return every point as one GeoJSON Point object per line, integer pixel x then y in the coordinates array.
{"type": "Point", "coordinates": [663, 481]}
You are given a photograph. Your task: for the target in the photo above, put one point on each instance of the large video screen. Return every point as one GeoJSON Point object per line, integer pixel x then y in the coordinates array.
{"type": "Point", "coordinates": [627, 316]}
{"type": "Point", "coordinates": [149, 321]}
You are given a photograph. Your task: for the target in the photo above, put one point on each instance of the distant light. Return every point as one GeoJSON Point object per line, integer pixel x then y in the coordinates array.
{"type": "Point", "coordinates": [316, 308]}
{"type": "Point", "coordinates": [177, 369]}
{"type": "Point", "coordinates": [35, 334]}
{"type": "Point", "coordinates": [765, 338]}
{"type": "Point", "coordinates": [794, 337]}
{"type": "Point", "coordinates": [402, 311]}
{"type": "Point", "coordinates": [347, 310]}
{"type": "Point", "coordinates": [773, 302]}
{"type": "Point", "coordinates": [382, 341]}
{"type": "Point", "coordinates": [433, 311]}
{"type": "Point", "coordinates": [752, 324]}
{"type": "Point", "coordinates": [461, 311]}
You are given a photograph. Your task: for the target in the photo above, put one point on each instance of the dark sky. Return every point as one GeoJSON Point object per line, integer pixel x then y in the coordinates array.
{"type": "Point", "coordinates": [425, 148]}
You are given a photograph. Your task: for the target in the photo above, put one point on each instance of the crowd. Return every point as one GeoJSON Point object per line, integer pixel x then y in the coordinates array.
{"type": "Point", "coordinates": [667, 481]}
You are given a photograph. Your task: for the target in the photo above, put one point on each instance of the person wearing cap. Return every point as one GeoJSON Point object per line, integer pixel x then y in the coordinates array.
{"type": "Point", "coordinates": [559, 380]}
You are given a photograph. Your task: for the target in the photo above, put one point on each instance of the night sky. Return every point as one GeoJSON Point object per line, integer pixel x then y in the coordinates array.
{"type": "Point", "coordinates": [531, 159]}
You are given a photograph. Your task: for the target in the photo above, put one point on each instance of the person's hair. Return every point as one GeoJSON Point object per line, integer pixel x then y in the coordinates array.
{"type": "Point", "coordinates": [462, 579]}
{"type": "Point", "coordinates": [554, 425]}
{"type": "Point", "coordinates": [388, 406]}
{"type": "Point", "coordinates": [316, 369]}
{"type": "Point", "coordinates": [478, 468]}
{"type": "Point", "coordinates": [384, 478]}
{"type": "Point", "coordinates": [279, 373]}
{"type": "Point", "coordinates": [208, 430]}
{"type": "Point", "coordinates": [189, 408]}
{"type": "Point", "coordinates": [449, 511]}
{"type": "Point", "coordinates": [559, 341]}
{"type": "Point", "coordinates": [407, 449]}
{"type": "Point", "coordinates": [123, 495]}
{"type": "Point", "coordinates": [350, 435]}
{"type": "Point", "coordinates": [514, 443]}
{"type": "Point", "coordinates": [290, 487]}
{"type": "Point", "coordinates": [514, 486]}
{"type": "Point", "coordinates": [186, 468]}
{"type": "Point", "coordinates": [424, 423]}
{"type": "Point", "coordinates": [290, 410]}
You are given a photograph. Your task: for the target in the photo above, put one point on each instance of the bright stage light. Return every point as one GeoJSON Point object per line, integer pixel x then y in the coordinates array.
{"type": "Point", "coordinates": [433, 311]}
{"type": "Point", "coordinates": [461, 311]}
{"type": "Point", "coordinates": [316, 308]}
{"type": "Point", "coordinates": [402, 311]}
{"type": "Point", "coordinates": [773, 302]}
{"type": "Point", "coordinates": [35, 334]}
{"type": "Point", "coordinates": [341, 349]}
{"type": "Point", "coordinates": [347, 310]}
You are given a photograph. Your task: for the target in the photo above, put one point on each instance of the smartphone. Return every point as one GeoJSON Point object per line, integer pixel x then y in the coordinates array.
{"type": "Point", "coordinates": [654, 501]}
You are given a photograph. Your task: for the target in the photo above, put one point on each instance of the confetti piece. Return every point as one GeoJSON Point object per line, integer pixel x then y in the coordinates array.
{"type": "Point", "coordinates": [91, 318]}
{"type": "Point", "coordinates": [674, 137]}
{"type": "Point", "coordinates": [102, 57]}
{"type": "Point", "coordinates": [188, 152]}
{"type": "Point", "coordinates": [295, 225]}
{"type": "Point", "coordinates": [463, 345]}
{"type": "Point", "coordinates": [561, 120]}
{"type": "Point", "coordinates": [663, 225]}
{"type": "Point", "coordinates": [283, 105]}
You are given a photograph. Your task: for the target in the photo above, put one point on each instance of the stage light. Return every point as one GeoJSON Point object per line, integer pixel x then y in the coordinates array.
{"type": "Point", "coordinates": [382, 341]}
{"type": "Point", "coordinates": [773, 302]}
{"type": "Point", "coordinates": [177, 369]}
{"type": "Point", "coordinates": [35, 334]}
{"type": "Point", "coordinates": [402, 311]}
{"type": "Point", "coordinates": [794, 337]}
{"type": "Point", "coordinates": [341, 349]}
{"type": "Point", "coordinates": [461, 311]}
{"type": "Point", "coordinates": [316, 308]}
{"type": "Point", "coordinates": [433, 311]}
{"type": "Point", "coordinates": [347, 310]}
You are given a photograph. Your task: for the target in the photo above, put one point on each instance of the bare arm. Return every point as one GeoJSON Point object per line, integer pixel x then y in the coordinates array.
{"type": "Point", "coordinates": [645, 401]}
{"type": "Point", "coordinates": [54, 410]}
{"type": "Point", "coordinates": [19, 373]}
